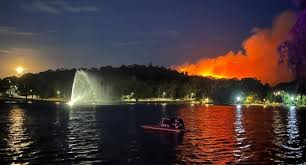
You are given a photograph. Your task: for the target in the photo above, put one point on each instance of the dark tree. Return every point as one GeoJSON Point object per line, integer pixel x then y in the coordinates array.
{"type": "Point", "coordinates": [293, 50]}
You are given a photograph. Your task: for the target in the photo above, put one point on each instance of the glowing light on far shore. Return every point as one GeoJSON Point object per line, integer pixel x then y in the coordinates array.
{"type": "Point", "coordinates": [70, 103]}
{"type": "Point", "coordinates": [292, 98]}
{"type": "Point", "coordinates": [19, 70]}
{"type": "Point", "coordinates": [204, 74]}
{"type": "Point", "coordinates": [216, 76]}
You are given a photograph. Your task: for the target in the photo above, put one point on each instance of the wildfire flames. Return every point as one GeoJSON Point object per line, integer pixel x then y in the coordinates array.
{"type": "Point", "coordinates": [259, 58]}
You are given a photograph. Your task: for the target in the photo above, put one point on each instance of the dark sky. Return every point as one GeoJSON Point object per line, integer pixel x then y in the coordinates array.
{"type": "Point", "coordinates": [86, 33]}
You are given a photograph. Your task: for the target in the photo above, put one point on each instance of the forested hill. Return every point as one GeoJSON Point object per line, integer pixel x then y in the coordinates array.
{"type": "Point", "coordinates": [143, 81]}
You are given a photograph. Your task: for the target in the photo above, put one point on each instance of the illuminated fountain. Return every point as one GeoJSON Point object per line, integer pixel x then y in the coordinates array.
{"type": "Point", "coordinates": [89, 89]}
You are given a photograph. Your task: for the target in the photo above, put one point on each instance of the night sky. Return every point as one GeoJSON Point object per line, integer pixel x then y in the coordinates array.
{"type": "Point", "coordinates": [40, 35]}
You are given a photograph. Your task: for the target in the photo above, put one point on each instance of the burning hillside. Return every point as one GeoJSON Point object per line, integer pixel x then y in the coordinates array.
{"type": "Point", "coordinates": [258, 59]}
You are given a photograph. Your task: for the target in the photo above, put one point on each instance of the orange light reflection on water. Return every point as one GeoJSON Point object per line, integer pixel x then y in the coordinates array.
{"type": "Point", "coordinates": [17, 137]}
{"type": "Point", "coordinates": [213, 137]}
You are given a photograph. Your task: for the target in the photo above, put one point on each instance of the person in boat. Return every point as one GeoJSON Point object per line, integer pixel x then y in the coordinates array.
{"type": "Point", "coordinates": [180, 124]}
{"type": "Point", "coordinates": [173, 123]}
{"type": "Point", "coordinates": [165, 123]}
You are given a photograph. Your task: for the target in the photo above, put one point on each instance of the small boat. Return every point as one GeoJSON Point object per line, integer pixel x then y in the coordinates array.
{"type": "Point", "coordinates": [168, 125]}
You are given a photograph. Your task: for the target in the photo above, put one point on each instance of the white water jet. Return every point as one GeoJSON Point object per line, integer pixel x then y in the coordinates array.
{"type": "Point", "coordinates": [88, 89]}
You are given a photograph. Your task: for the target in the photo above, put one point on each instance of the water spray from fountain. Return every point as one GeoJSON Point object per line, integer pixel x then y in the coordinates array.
{"type": "Point", "coordinates": [88, 88]}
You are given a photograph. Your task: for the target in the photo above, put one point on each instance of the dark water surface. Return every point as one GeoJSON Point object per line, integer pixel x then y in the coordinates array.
{"type": "Point", "coordinates": [58, 134]}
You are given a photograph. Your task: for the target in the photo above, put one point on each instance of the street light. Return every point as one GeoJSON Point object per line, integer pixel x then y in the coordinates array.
{"type": "Point", "coordinates": [207, 100]}
{"type": "Point", "coordinates": [191, 95]}
{"type": "Point", "coordinates": [164, 94]}
{"type": "Point", "coordinates": [58, 94]}
{"type": "Point", "coordinates": [292, 98]}
{"type": "Point", "coordinates": [238, 100]}
{"type": "Point", "coordinates": [31, 91]}
{"type": "Point", "coordinates": [277, 93]}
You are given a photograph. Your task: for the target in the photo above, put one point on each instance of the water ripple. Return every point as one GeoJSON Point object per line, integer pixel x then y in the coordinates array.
{"type": "Point", "coordinates": [111, 135]}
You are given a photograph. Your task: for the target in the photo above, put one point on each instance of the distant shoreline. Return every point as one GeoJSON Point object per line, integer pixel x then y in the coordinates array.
{"type": "Point", "coordinates": [16, 100]}
{"type": "Point", "coordinates": [23, 100]}
{"type": "Point", "coordinates": [29, 99]}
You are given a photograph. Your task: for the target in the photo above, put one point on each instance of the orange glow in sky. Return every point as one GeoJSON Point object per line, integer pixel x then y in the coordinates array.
{"type": "Point", "coordinates": [19, 70]}
{"type": "Point", "coordinates": [259, 58]}
{"type": "Point", "coordinates": [18, 61]}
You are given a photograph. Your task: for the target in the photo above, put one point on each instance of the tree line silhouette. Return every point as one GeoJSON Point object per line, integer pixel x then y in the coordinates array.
{"type": "Point", "coordinates": [147, 81]}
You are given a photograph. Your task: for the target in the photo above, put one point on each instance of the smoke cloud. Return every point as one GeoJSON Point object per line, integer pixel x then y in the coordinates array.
{"type": "Point", "coordinates": [300, 4]}
{"type": "Point", "coordinates": [259, 58]}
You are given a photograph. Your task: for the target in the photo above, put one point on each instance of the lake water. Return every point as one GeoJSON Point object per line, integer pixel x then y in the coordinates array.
{"type": "Point", "coordinates": [55, 134]}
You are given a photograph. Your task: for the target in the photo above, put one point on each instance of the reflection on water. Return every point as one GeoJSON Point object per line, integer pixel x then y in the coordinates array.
{"type": "Point", "coordinates": [43, 134]}
{"type": "Point", "coordinates": [293, 143]}
{"type": "Point", "coordinates": [17, 140]}
{"type": "Point", "coordinates": [242, 147]}
{"type": "Point", "coordinates": [279, 133]}
{"type": "Point", "coordinates": [82, 135]}
{"type": "Point", "coordinates": [212, 137]}
{"type": "Point", "coordinates": [292, 127]}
